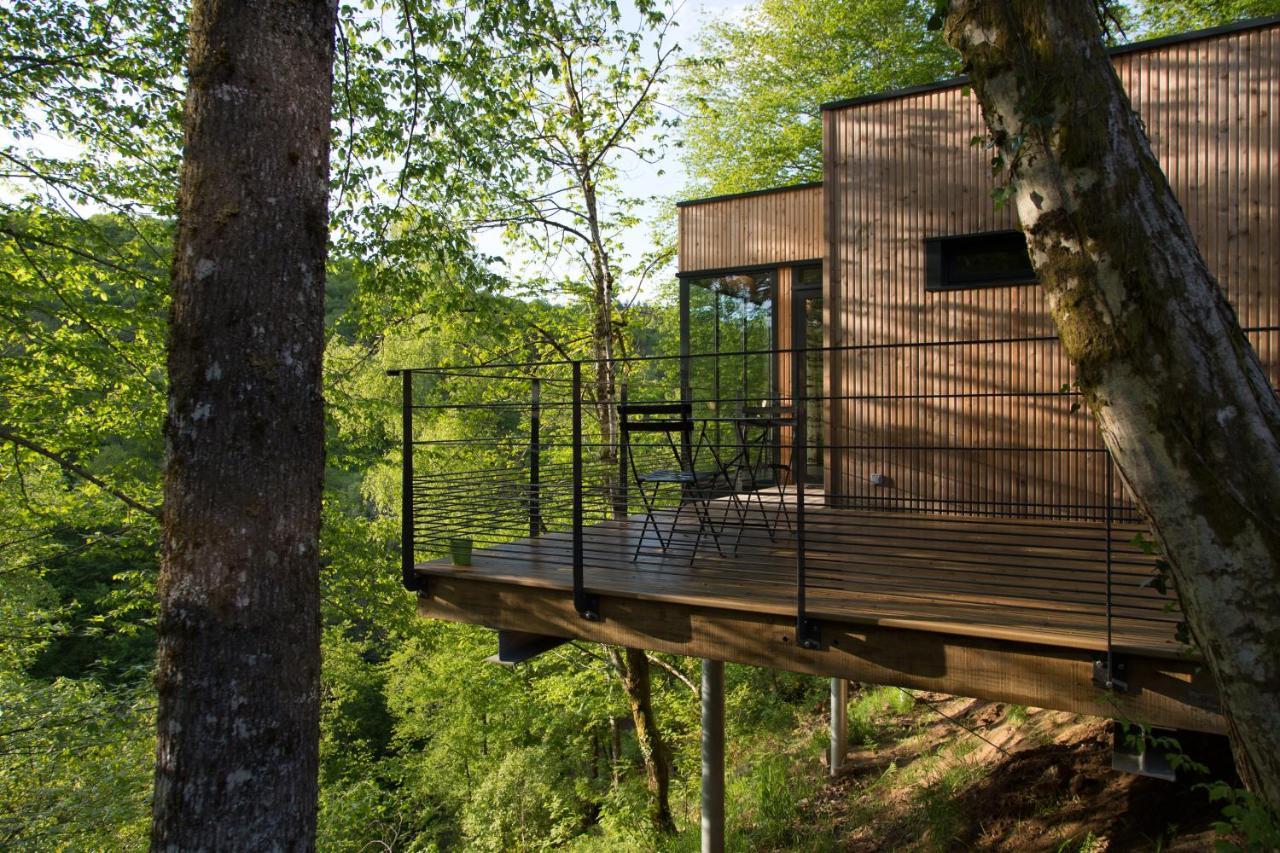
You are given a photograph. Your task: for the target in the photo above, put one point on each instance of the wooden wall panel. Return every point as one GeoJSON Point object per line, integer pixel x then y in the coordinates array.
{"type": "Point", "coordinates": [953, 395]}
{"type": "Point", "coordinates": [765, 228]}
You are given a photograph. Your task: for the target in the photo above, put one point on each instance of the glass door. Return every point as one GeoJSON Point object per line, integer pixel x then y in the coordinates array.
{"type": "Point", "coordinates": [807, 332]}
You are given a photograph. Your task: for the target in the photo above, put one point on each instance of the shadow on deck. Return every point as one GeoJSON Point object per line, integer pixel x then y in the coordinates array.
{"type": "Point", "coordinates": [1004, 609]}
{"type": "Point", "coordinates": [1039, 581]}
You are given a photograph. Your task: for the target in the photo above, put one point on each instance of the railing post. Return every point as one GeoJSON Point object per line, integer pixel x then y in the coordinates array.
{"type": "Point", "coordinates": [1110, 481]}
{"type": "Point", "coordinates": [686, 437]}
{"type": "Point", "coordinates": [535, 458]}
{"type": "Point", "coordinates": [408, 576]}
{"type": "Point", "coordinates": [620, 501]}
{"type": "Point", "coordinates": [1109, 670]}
{"type": "Point", "coordinates": [586, 605]}
{"type": "Point", "coordinates": [808, 635]}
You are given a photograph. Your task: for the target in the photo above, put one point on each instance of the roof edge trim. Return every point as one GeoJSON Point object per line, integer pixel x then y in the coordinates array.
{"type": "Point", "coordinates": [808, 185]}
{"type": "Point", "coordinates": [1118, 50]}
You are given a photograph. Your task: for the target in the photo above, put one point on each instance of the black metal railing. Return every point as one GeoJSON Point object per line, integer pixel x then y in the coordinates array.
{"type": "Point", "coordinates": [892, 480]}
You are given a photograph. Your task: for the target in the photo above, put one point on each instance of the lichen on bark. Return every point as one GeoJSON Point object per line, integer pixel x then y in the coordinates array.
{"type": "Point", "coordinates": [1182, 401]}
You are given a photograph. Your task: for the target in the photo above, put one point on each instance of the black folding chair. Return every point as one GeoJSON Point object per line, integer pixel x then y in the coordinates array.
{"type": "Point", "coordinates": [674, 423]}
{"type": "Point", "coordinates": [759, 435]}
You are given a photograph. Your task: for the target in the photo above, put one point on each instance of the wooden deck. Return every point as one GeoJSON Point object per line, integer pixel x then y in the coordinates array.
{"type": "Point", "coordinates": [936, 584]}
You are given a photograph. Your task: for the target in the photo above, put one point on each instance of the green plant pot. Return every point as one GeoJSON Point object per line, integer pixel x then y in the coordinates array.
{"type": "Point", "coordinates": [461, 551]}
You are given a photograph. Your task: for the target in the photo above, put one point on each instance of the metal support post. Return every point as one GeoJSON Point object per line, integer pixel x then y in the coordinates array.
{"type": "Point", "coordinates": [621, 498]}
{"type": "Point", "coordinates": [839, 724]}
{"type": "Point", "coordinates": [712, 756]}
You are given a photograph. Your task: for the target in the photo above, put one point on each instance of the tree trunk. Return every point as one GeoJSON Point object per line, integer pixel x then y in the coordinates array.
{"type": "Point", "coordinates": [239, 652]}
{"type": "Point", "coordinates": [632, 666]}
{"type": "Point", "coordinates": [603, 330]}
{"type": "Point", "coordinates": [1182, 400]}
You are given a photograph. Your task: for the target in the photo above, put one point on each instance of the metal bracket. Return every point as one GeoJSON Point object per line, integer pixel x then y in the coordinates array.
{"type": "Point", "coordinates": [1148, 760]}
{"type": "Point", "coordinates": [808, 634]}
{"type": "Point", "coordinates": [588, 606]}
{"type": "Point", "coordinates": [519, 646]}
{"type": "Point", "coordinates": [409, 576]}
{"type": "Point", "coordinates": [1111, 672]}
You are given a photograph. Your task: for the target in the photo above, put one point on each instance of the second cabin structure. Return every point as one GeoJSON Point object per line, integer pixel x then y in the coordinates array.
{"type": "Point", "coordinates": [863, 458]}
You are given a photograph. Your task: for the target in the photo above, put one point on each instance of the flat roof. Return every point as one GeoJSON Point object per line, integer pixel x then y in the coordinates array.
{"type": "Point", "coordinates": [808, 185]}
{"type": "Point", "coordinates": [952, 82]}
{"type": "Point", "coordinates": [1135, 47]}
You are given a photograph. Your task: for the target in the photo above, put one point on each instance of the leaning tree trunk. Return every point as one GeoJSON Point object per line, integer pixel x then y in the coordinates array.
{"type": "Point", "coordinates": [1183, 403]}
{"type": "Point", "coordinates": [239, 654]}
{"type": "Point", "coordinates": [632, 666]}
{"type": "Point", "coordinates": [604, 333]}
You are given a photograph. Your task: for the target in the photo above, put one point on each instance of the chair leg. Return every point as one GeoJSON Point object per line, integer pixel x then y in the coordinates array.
{"type": "Point", "coordinates": [675, 521]}
{"type": "Point", "coordinates": [707, 498]}
{"type": "Point", "coordinates": [782, 499]}
{"type": "Point", "coordinates": [697, 539]}
{"type": "Point", "coordinates": [764, 513]}
{"type": "Point", "coordinates": [649, 500]}
{"type": "Point", "coordinates": [702, 509]}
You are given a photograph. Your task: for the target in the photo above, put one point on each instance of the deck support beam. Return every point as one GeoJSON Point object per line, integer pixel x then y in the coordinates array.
{"type": "Point", "coordinates": [839, 724]}
{"type": "Point", "coordinates": [1172, 692]}
{"type": "Point", "coordinates": [519, 646]}
{"type": "Point", "coordinates": [712, 756]}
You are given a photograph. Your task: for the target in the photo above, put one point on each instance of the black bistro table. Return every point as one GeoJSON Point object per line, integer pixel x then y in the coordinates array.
{"type": "Point", "coordinates": [758, 450]}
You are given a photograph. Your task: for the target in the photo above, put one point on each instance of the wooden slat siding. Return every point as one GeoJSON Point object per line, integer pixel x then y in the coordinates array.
{"type": "Point", "coordinates": [769, 228]}
{"type": "Point", "coordinates": [900, 170]}
{"type": "Point", "coordinates": [834, 381]}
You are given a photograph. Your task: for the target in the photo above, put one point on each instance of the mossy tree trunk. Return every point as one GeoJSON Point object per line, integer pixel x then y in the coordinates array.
{"type": "Point", "coordinates": [238, 670]}
{"type": "Point", "coordinates": [1181, 398]}
{"type": "Point", "coordinates": [632, 666]}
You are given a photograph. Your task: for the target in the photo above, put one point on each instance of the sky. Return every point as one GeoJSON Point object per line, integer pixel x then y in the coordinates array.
{"type": "Point", "coordinates": [691, 18]}
{"type": "Point", "coordinates": [660, 184]}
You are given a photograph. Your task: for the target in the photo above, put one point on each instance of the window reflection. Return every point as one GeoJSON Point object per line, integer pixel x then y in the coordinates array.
{"type": "Point", "coordinates": [730, 338]}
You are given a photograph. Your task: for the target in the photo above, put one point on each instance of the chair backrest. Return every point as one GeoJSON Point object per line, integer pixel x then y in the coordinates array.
{"type": "Point", "coordinates": [655, 417]}
{"type": "Point", "coordinates": [673, 421]}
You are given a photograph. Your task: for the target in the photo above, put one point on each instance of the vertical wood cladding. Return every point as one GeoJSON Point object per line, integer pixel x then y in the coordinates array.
{"type": "Point", "coordinates": [766, 228]}
{"type": "Point", "coordinates": [954, 395]}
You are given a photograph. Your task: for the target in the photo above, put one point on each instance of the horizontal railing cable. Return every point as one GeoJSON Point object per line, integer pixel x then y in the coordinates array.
{"type": "Point", "coordinates": [982, 505]}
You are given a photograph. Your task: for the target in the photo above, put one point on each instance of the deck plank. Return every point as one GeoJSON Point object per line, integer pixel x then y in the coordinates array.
{"type": "Point", "coordinates": [1025, 580]}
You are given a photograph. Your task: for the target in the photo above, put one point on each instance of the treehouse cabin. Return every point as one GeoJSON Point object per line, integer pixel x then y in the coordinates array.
{"type": "Point", "coordinates": [860, 455]}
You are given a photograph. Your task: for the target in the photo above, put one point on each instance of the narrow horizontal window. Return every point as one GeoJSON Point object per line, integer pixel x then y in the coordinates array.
{"type": "Point", "coordinates": [990, 259]}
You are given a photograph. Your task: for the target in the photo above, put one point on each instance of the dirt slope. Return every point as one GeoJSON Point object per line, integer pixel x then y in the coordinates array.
{"type": "Point", "coordinates": [1022, 780]}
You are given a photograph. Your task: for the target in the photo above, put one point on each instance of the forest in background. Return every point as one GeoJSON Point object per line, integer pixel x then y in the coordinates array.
{"type": "Point", "coordinates": [451, 137]}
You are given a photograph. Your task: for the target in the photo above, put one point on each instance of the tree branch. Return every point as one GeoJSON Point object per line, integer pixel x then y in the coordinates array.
{"type": "Point", "coordinates": [684, 679]}
{"type": "Point", "coordinates": [7, 434]}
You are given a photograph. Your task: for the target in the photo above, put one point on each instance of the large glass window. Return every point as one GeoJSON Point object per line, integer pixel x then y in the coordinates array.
{"type": "Point", "coordinates": [730, 339]}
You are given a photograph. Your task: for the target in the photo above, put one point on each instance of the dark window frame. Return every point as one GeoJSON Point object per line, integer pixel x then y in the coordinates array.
{"type": "Point", "coordinates": [688, 280]}
{"type": "Point", "coordinates": [939, 279]}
